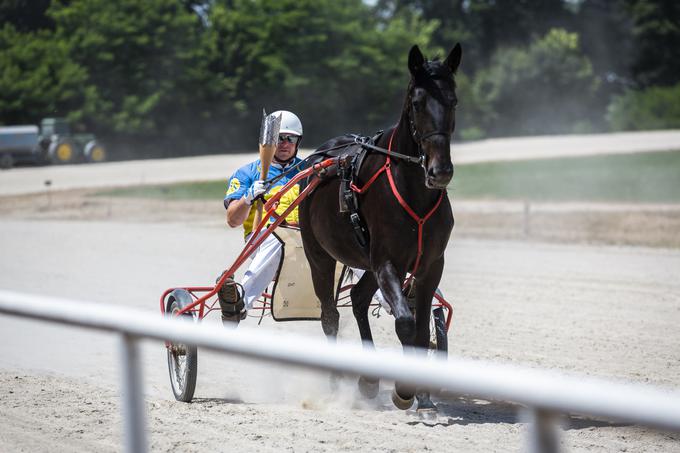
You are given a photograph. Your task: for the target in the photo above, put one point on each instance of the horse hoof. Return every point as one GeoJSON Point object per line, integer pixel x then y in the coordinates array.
{"type": "Point", "coordinates": [334, 382]}
{"type": "Point", "coordinates": [428, 414]}
{"type": "Point", "coordinates": [400, 402]}
{"type": "Point", "coordinates": [369, 387]}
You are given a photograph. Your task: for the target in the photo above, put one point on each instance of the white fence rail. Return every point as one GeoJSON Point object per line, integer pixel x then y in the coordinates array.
{"type": "Point", "coordinates": [545, 393]}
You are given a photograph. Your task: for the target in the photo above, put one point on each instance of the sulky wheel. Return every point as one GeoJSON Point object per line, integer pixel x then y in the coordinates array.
{"type": "Point", "coordinates": [182, 358]}
{"type": "Point", "coordinates": [439, 339]}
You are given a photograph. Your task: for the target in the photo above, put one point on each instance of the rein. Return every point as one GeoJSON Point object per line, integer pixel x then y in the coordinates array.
{"type": "Point", "coordinates": [358, 140]}
{"type": "Point", "coordinates": [387, 168]}
{"type": "Point", "coordinates": [420, 160]}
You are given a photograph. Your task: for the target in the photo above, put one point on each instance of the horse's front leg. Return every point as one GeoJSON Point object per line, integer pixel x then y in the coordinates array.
{"type": "Point", "coordinates": [425, 287]}
{"type": "Point", "coordinates": [389, 281]}
{"type": "Point", "coordinates": [361, 295]}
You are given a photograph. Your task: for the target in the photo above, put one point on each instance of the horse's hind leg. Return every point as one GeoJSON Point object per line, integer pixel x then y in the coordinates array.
{"type": "Point", "coordinates": [322, 267]}
{"type": "Point", "coordinates": [323, 278]}
{"type": "Point", "coordinates": [362, 294]}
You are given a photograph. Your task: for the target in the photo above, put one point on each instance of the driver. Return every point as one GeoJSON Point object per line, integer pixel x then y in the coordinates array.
{"type": "Point", "coordinates": [243, 188]}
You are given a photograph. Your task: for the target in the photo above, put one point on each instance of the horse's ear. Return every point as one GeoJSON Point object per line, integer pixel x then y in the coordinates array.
{"type": "Point", "coordinates": [453, 60]}
{"type": "Point", "coordinates": [415, 60]}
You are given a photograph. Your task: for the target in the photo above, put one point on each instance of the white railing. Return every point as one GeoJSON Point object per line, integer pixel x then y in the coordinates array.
{"type": "Point", "coordinates": [544, 393]}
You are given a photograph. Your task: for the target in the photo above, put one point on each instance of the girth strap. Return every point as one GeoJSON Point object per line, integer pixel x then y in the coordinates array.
{"type": "Point", "coordinates": [347, 170]}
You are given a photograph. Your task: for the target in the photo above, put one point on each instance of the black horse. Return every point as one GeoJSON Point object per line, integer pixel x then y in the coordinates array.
{"type": "Point", "coordinates": [405, 211]}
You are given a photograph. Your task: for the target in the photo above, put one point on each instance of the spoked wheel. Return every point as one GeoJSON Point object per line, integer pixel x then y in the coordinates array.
{"type": "Point", "coordinates": [439, 338]}
{"type": "Point", "coordinates": [182, 358]}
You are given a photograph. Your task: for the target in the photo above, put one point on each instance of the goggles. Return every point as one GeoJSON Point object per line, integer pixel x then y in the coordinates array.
{"type": "Point", "coordinates": [294, 139]}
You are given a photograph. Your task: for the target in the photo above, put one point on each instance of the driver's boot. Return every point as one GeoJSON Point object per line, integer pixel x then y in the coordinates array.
{"type": "Point", "coordinates": [230, 296]}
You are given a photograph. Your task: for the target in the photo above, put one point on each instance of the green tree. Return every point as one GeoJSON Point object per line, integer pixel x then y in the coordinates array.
{"type": "Point", "coordinates": [142, 59]}
{"type": "Point", "coordinates": [193, 75]}
{"type": "Point", "coordinates": [656, 34]}
{"type": "Point", "coordinates": [25, 15]}
{"type": "Point", "coordinates": [333, 62]}
{"type": "Point", "coordinates": [652, 108]}
{"type": "Point", "coordinates": [37, 77]}
{"type": "Point", "coordinates": [482, 26]}
{"type": "Point", "coordinates": [605, 31]}
{"type": "Point", "coordinates": [544, 88]}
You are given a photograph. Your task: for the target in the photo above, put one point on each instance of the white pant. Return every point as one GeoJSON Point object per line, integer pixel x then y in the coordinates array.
{"type": "Point", "coordinates": [262, 268]}
{"type": "Point", "coordinates": [378, 294]}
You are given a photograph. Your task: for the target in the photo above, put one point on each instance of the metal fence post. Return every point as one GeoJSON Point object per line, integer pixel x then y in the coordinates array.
{"type": "Point", "coordinates": [132, 401]}
{"type": "Point", "coordinates": [527, 219]}
{"type": "Point", "coordinates": [543, 431]}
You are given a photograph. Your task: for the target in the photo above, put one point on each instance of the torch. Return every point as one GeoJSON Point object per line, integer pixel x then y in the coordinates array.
{"type": "Point", "coordinates": [269, 139]}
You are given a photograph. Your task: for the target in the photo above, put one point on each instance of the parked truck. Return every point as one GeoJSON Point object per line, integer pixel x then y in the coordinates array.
{"type": "Point", "coordinates": [52, 142]}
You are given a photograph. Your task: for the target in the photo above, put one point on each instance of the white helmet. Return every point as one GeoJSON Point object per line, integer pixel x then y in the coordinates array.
{"type": "Point", "coordinates": [290, 123]}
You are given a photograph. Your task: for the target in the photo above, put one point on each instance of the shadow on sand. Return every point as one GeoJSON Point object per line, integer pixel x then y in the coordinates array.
{"type": "Point", "coordinates": [462, 411]}
{"type": "Point", "coordinates": [455, 411]}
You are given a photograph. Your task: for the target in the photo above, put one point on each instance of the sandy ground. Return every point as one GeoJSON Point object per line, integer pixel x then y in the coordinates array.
{"type": "Point", "coordinates": [609, 311]}
{"type": "Point", "coordinates": [652, 225]}
{"type": "Point", "coordinates": [552, 293]}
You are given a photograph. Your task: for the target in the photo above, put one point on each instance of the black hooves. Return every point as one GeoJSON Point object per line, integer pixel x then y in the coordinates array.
{"type": "Point", "coordinates": [369, 387]}
{"type": "Point", "coordinates": [401, 402]}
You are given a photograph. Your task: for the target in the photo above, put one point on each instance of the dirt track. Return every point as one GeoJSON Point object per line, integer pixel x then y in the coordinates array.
{"type": "Point", "coordinates": [601, 310]}
{"type": "Point", "coordinates": [564, 297]}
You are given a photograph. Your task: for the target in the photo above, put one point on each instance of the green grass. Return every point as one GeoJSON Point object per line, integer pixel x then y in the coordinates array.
{"type": "Point", "coordinates": [644, 177]}
{"type": "Point", "coordinates": [210, 190]}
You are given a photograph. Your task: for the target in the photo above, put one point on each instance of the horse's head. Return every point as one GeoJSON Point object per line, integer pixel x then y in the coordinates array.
{"type": "Point", "coordinates": [431, 110]}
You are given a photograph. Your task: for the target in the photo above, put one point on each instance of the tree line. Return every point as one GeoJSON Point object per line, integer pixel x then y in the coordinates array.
{"type": "Point", "coordinates": [175, 77]}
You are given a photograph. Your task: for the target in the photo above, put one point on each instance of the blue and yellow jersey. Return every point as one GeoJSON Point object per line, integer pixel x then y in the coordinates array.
{"type": "Point", "coordinates": [244, 177]}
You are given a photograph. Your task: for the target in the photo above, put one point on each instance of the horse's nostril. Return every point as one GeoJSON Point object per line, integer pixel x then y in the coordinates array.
{"type": "Point", "coordinates": [444, 170]}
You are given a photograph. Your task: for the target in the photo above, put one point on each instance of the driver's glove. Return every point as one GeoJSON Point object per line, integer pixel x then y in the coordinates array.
{"type": "Point", "coordinates": [256, 190]}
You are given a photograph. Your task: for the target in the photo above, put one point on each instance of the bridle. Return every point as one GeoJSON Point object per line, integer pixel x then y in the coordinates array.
{"type": "Point", "coordinates": [420, 138]}
{"type": "Point", "coordinates": [417, 138]}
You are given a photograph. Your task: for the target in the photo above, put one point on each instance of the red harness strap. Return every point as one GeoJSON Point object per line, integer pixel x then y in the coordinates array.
{"type": "Point", "coordinates": [373, 178]}
{"type": "Point", "coordinates": [419, 220]}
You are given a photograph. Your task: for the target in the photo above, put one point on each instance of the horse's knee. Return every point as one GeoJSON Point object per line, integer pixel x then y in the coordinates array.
{"type": "Point", "coordinates": [405, 327]}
